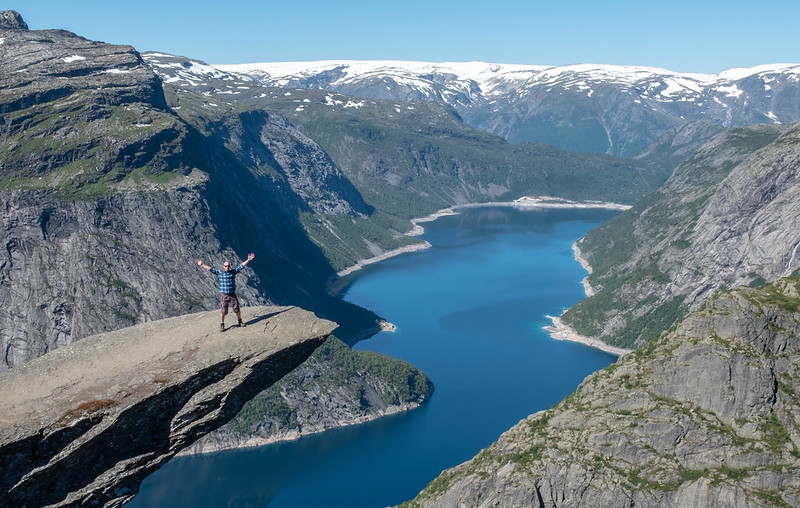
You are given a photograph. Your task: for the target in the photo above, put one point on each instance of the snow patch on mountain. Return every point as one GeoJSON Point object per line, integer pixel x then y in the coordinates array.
{"type": "Point", "coordinates": [283, 72]}
{"type": "Point", "coordinates": [480, 80]}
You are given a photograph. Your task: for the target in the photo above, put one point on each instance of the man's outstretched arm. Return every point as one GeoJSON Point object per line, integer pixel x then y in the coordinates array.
{"type": "Point", "coordinates": [201, 265]}
{"type": "Point", "coordinates": [249, 258]}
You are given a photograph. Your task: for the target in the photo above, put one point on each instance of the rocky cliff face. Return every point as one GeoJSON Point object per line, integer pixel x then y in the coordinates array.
{"type": "Point", "coordinates": [725, 218]}
{"type": "Point", "coordinates": [85, 424]}
{"type": "Point", "coordinates": [706, 415]}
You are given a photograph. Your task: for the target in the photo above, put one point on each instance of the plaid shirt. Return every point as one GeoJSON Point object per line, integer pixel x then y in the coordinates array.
{"type": "Point", "coordinates": [227, 280]}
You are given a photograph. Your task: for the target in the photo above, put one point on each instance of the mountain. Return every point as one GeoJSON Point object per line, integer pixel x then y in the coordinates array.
{"type": "Point", "coordinates": [706, 415]}
{"type": "Point", "coordinates": [418, 156]}
{"type": "Point", "coordinates": [107, 196]}
{"type": "Point", "coordinates": [725, 218]}
{"type": "Point", "coordinates": [617, 110]}
{"type": "Point", "coordinates": [115, 178]}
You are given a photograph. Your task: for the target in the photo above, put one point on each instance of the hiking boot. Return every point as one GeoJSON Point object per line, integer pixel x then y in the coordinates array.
{"type": "Point", "coordinates": [242, 323]}
{"type": "Point", "coordinates": [222, 327]}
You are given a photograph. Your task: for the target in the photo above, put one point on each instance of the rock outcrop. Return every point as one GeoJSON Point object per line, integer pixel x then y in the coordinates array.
{"type": "Point", "coordinates": [706, 415]}
{"type": "Point", "coordinates": [12, 20]}
{"type": "Point", "coordinates": [336, 386]}
{"type": "Point", "coordinates": [86, 423]}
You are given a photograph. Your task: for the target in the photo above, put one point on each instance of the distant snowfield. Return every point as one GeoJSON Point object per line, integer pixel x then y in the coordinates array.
{"type": "Point", "coordinates": [661, 84]}
{"type": "Point", "coordinates": [476, 71]}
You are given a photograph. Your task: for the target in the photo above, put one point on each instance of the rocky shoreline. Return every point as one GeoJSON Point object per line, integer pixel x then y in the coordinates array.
{"type": "Point", "coordinates": [217, 442]}
{"type": "Point", "coordinates": [380, 257]}
{"type": "Point", "coordinates": [561, 331]}
{"type": "Point", "coordinates": [417, 230]}
{"type": "Point", "coordinates": [587, 288]}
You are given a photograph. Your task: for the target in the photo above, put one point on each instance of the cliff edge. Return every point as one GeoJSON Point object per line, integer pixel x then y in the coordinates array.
{"type": "Point", "coordinates": [87, 423]}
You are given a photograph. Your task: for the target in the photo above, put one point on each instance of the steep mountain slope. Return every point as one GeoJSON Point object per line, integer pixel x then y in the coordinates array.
{"type": "Point", "coordinates": [725, 218]}
{"type": "Point", "coordinates": [618, 110]}
{"type": "Point", "coordinates": [107, 196]}
{"type": "Point", "coordinates": [706, 415]}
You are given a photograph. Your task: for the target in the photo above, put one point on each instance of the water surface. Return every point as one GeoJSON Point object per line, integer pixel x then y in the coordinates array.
{"type": "Point", "coordinates": [469, 312]}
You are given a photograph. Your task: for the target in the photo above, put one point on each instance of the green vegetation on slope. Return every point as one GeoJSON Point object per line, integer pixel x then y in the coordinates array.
{"type": "Point", "coordinates": [83, 148]}
{"type": "Point", "coordinates": [409, 159]}
{"type": "Point", "coordinates": [335, 366]}
{"type": "Point", "coordinates": [636, 255]}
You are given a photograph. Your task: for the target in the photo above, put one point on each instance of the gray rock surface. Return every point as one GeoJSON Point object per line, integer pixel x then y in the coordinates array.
{"type": "Point", "coordinates": [707, 415]}
{"type": "Point", "coordinates": [86, 423]}
{"type": "Point", "coordinates": [74, 268]}
{"type": "Point", "coordinates": [12, 20]}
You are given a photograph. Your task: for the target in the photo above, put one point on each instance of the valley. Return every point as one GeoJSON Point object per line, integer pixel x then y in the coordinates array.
{"type": "Point", "coordinates": [119, 168]}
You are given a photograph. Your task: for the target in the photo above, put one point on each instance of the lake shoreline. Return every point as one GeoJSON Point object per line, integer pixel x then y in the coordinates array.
{"type": "Point", "coordinates": [558, 330]}
{"type": "Point", "coordinates": [562, 331]}
{"type": "Point", "coordinates": [238, 442]}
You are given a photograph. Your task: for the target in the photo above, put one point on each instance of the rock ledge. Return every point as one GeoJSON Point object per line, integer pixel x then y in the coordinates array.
{"type": "Point", "coordinates": [87, 423]}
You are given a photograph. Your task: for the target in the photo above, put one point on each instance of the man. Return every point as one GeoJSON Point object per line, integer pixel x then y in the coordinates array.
{"type": "Point", "coordinates": [227, 288]}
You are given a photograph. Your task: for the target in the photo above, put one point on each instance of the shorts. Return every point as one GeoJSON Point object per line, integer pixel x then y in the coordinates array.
{"type": "Point", "coordinates": [225, 300]}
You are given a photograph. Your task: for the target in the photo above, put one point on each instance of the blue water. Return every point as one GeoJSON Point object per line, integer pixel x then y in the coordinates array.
{"type": "Point", "coordinates": [469, 312]}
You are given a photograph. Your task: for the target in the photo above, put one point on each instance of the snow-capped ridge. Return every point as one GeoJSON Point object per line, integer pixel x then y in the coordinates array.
{"type": "Point", "coordinates": [481, 72]}
{"type": "Point", "coordinates": [614, 109]}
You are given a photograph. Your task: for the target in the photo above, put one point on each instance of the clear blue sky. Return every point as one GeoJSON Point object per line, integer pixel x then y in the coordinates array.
{"type": "Point", "coordinates": [705, 36]}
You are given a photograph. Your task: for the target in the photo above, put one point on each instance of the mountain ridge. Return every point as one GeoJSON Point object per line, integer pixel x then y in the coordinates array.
{"type": "Point", "coordinates": [581, 107]}
{"type": "Point", "coordinates": [483, 72]}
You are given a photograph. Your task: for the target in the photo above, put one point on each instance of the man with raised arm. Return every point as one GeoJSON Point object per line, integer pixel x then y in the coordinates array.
{"type": "Point", "coordinates": [227, 288]}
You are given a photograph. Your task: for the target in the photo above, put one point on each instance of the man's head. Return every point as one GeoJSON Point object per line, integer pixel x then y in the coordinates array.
{"type": "Point", "coordinates": [226, 266]}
